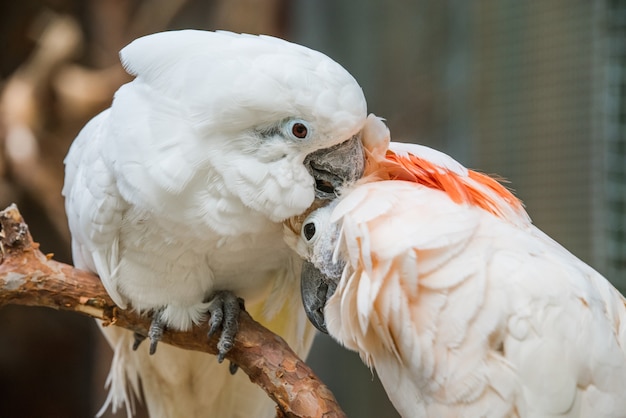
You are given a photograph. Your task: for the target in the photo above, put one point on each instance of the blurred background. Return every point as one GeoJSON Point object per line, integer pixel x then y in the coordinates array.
{"type": "Point", "coordinates": [532, 91]}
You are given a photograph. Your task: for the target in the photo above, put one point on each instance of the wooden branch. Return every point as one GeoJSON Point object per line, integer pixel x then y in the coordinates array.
{"type": "Point", "coordinates": [28, 277]}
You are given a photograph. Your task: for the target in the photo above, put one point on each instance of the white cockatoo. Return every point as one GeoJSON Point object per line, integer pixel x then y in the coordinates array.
{"type": "Point", "coordinates": [435, 275]}
{"type": "Point", "coordinates": [175, 197]}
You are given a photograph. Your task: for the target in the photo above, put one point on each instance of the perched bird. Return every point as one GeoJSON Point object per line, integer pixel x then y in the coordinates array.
{"type": "Point", "coordinates": [435, 275]}
{"type": "Point", "coordinates": [175, 197]}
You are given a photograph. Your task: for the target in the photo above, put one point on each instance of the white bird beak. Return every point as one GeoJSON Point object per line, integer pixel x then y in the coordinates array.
{"type": "Point", "coordinates": [336, 167]}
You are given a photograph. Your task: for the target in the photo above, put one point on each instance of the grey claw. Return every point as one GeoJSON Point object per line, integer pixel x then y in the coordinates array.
{"type": "Point", "coordinates": [138, 339]}
{"type": "Point", "coordinates": [232, 368]}
{"type": "Point", "coordinates": [156, 330]}
{"type": "Point", "coordinates": [224, 309]}
{"type": "Point", "coordinates": [217, 317]}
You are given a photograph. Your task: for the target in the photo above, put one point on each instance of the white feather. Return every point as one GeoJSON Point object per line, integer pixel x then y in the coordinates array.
{"type": "Point", "coordinates": [465, 313]}
{"type": "Point", "coordinates": [174, 192]}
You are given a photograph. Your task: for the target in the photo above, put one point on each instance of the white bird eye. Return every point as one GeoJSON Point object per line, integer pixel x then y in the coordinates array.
{"type": "Point", "coordinates": [299, 129]}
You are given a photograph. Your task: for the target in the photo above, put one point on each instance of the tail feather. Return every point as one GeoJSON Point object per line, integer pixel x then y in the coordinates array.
{"type": "Point", "coordinates": [122, 381]}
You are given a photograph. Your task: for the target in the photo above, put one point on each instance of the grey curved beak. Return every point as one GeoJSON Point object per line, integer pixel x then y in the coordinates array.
{"type": "Point", "coordinates": [335, 167]}
{"type": "Point", "coordinates": [316, 289]}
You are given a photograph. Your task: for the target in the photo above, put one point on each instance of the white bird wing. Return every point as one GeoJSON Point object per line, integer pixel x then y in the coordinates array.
{"type": "Point", "coordinates": [466, 314]}
{"type": "Point", "coordinates": [94, 207]}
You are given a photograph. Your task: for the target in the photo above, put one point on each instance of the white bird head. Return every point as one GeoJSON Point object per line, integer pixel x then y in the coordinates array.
{"type": "Point", "coordinates": [322, 270]}
{"type": "Point", "coordinates": [276, 123]}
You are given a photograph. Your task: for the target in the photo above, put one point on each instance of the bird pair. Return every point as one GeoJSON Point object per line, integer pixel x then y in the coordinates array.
{"type": "Point", "coordinates": [199, 181]}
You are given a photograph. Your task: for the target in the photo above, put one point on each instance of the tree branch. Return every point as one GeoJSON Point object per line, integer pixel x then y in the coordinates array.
{"type": "Point", "coordinates": [28, 277]}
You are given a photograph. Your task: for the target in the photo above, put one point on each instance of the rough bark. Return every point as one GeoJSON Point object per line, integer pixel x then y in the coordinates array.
{"type": "Point", "coordinates": [28, 277]}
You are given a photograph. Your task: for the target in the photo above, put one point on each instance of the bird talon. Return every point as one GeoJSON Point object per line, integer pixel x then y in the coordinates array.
{"type": "Point", "coordinates": [138, 339]}
{"type": "Point", "coordinates": [224, 309]}
{"type": "Point", "coordinates": [232, 368]}
{"type": "Point", "coordinates": [223, 348]}
{"type": "Point", "coordinates": [153, 346]}
{"type": "Point", "coordinates": [217, 317]}
{"type": "Point", "coordinates": [156, 330]}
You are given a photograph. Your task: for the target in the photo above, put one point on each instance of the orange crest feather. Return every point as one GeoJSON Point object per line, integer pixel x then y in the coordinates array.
{"type": "Point", "coordinates": [475, 188]}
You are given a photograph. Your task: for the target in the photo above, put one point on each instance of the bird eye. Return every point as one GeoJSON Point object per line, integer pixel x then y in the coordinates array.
{"type": "Point", "coordinates": [309, 230]}
{"type": "Point", "coordinates": [299, 129]}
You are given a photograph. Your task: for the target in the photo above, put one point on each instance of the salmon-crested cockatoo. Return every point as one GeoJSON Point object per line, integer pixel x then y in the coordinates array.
{"type": "Point", "coordinates": [435, 275]}
{"type": "Point", "coordinates": [176, 196]}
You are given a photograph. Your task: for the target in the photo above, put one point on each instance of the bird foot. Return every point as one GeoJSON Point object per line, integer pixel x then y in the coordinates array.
{"type": "Point", "coordinates": [224, 308]}
{"type": "Point", "coordinates": [155, 333]}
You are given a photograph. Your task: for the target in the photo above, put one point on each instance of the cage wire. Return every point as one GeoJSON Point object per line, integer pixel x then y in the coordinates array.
{"type": "Point", "coordinates": [614, 119]}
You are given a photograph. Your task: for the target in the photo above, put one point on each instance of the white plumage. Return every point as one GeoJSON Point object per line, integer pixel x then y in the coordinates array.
{"type": "Point", "coordinates": [178, 189]}
{"type": "Point", "coordinates": [463, 307]}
